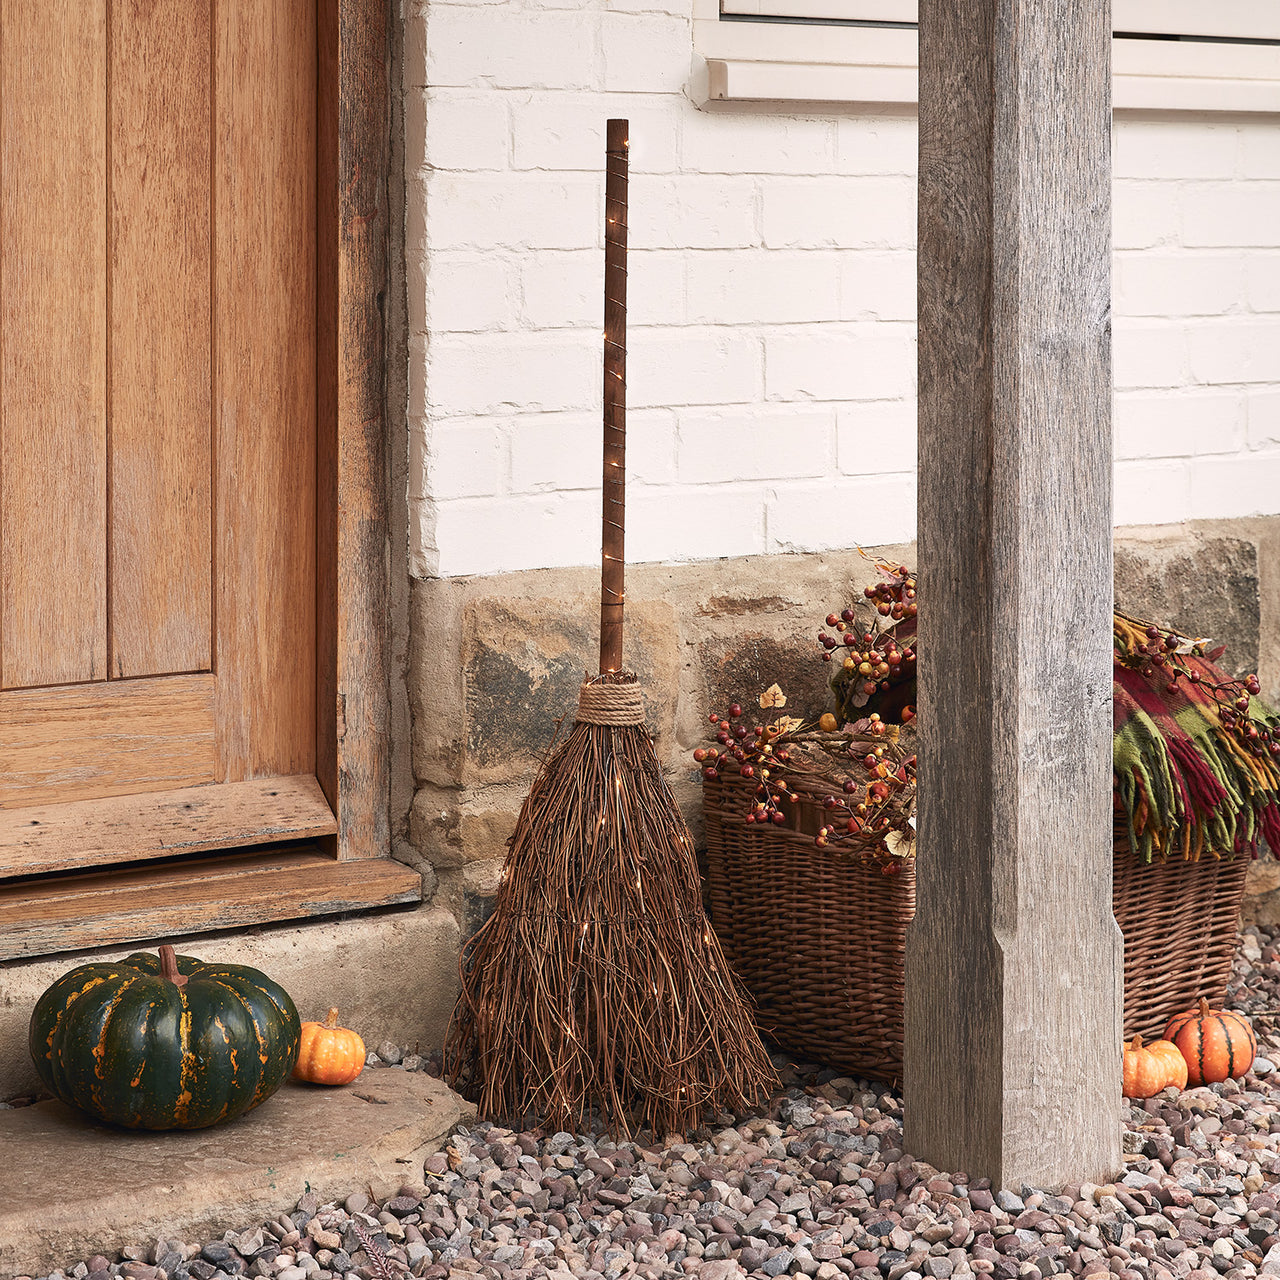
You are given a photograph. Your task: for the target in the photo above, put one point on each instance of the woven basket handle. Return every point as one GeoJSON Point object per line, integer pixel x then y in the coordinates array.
{"type": "Point", "coordinates": [614, 507]}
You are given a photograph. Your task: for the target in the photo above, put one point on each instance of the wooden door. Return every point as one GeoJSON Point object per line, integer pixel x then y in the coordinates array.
{"type": "Point", "coordinates": [158, 450]}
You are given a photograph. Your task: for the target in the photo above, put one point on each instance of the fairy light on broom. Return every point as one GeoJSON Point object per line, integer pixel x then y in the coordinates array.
{"type": "Point", "coordinates": [598, 987]}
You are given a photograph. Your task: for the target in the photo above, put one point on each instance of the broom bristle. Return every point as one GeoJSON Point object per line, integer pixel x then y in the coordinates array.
{"type": "Point", "coordinates": [598, 985]}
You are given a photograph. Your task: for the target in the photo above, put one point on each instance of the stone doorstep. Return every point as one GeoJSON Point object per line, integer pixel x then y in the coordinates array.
{"type": "Point", "coordinates": [70, 1188]}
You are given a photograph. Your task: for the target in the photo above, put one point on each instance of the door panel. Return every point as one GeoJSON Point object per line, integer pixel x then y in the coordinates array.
{"type": "Point", "coordinates": [265, 342]}
{"type": "Point", "coordinates": [53, 449]}
{"type": "Point", "coordinates": [157, 428]}
{"type": "Point", "coordinates": [161, 422]}
{"type": "Point", "coordinates": [83, 741]}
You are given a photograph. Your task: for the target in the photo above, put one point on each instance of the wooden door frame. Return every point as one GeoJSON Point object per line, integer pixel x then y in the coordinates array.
{"type": "Point", "coordinates": [352, 253]}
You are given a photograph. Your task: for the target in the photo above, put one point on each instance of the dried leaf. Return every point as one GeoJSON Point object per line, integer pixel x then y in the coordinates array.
{"type": "Point", "coordinates": [899, 844]}
{"type": "Point", "coordinates": [773, 697]}
{"type": "Point", "coordinates": [787, 724]}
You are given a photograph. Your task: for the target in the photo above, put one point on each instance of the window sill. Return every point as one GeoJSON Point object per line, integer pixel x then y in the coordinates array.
{"type": "Point", "coordinates": [832, 66]}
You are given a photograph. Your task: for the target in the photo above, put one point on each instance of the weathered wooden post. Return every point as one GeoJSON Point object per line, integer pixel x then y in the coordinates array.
{"type": "Point", "coordinates": [1013, 1018]}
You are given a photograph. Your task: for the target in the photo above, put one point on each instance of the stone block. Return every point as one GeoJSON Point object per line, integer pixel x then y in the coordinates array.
{"type": "Point", "coordinates": [740, 667]}
{"type": "Point", "coordinates": [524, 660]}
{"type": "Point", "coordinates": [1207, 586]}
{"type": "Point", "coordinates": [1261, 902]}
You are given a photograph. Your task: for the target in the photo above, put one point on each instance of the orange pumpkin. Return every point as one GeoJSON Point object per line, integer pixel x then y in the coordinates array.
{"type": "Point", "coordinates": [328, 1053]}
{"type": "Point", "coordinates": [1170, 1053]}
{"type": "Point", "coordinates": [1216, 1043]}
{"type": "Point", "coordinates": [1150, 1069]}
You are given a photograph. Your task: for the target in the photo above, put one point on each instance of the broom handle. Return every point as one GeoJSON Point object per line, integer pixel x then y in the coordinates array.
{"type": "Point", "coordinates": [613, 562]}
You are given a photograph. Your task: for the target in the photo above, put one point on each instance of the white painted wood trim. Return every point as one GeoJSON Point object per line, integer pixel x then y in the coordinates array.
{"type": "Point", "coordinates": [777, 62]}
{"type": "Point", "coordinates": [1251, 19]}
{"type": "Point", "coordinates": [856, 10]}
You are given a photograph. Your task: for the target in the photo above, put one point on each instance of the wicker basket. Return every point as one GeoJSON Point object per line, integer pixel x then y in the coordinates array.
{"type": "Point", "coordinates": [817, 935]}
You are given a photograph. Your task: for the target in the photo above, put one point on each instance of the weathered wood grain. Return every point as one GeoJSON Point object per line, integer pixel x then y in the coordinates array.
{"type": "Point", "coordinates": [160, 595]}
{"type": "Point", "coordinates": [265, 376]}
{"type": "Point", "coordinates": [359, 158]}
{"type": "Point", "coordinates": [42, 838]}
{"type": "Point", "coordinates": [144, 903]}
{"type": "Point", "coordinates": [1013, 959]}
{"type": "Point", "coordinates": [53, 443]}
{"type": "Point", "coordinates": [84, 741]}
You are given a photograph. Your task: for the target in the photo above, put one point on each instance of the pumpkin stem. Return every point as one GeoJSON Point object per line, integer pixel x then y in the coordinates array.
{"type": "Point", "coordinates": [169, 967]}
{"type": "Point", "coordinates": [1204, 1007]}
{"type": "Point", "coordinates": [331, 1019]}
{"type": "Point", "coordinates": [1137, 1043]}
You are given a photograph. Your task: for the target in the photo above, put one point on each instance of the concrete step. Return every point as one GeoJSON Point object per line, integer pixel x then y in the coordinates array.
{"type": "Point", "coordinates": [70, 1187]}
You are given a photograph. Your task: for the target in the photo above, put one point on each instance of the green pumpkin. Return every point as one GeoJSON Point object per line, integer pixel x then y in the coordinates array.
{"type": "Point", "coordinates": [164, 1043]}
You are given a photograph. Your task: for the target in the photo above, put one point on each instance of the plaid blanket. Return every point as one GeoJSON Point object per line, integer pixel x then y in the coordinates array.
{"type": "Point", "coordinates": [1184, 782]}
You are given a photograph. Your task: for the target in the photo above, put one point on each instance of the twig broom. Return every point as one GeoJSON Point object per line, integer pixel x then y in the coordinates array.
{"type": "Point", "coordinates": [597, 985]}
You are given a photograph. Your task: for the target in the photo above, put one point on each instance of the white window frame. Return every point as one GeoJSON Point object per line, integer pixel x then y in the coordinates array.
{"type": "Point", "coordinates": [829, 63]}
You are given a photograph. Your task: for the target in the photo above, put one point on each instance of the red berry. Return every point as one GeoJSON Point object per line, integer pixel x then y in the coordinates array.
{"type": "Point", "coordinates": [735, 710]}
{"type": "Point", "coordinates": [832, 619]}
{"type": "Point", "coordinates": [848, 615]}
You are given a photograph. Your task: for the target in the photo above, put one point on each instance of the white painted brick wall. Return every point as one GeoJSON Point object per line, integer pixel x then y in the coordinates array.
{"type": "Point", "coordinates": [772, 302]}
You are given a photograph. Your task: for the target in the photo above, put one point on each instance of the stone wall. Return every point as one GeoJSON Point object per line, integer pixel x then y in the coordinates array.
{"type": "Point", "coordinates": [496, 662]}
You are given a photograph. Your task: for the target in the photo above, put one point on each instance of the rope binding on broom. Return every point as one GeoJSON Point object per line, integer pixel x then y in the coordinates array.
{"type": "Point", "coordinates": [610, 704]}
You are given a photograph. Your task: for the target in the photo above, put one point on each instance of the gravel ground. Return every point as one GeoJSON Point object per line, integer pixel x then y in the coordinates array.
{"type": "Point", "coordinates": [817, 1185]}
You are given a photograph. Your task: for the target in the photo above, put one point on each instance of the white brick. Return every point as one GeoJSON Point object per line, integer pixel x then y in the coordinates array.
{"type": "Point", "coordinates": [829, 363]}
{"type": "Point", "coordinates": [1178, 425]}
{"type": "Point", "coordinates": [1263, 414]}
{"type": "Point", "coordinates": [499, 48]}
{"type": "Point", "coordinates": [491, 535]}
{"type": "Point", "coordinates": [878, 286]}
{"type": "Point", "coordinates": [656, 288]}
{"type": "Point", "coordinates": [846, 512]}
{"type": "Point", "coordinates": [1259, 148]}
{"type": "Point", "coordinates": [417, 388]}
{"type": "Point", "coordinates": [469, 293]}
{"type": "Point", "coordinates": [693, 212]}
{"type": "Point", "coordinates": [732, 143]}
{"type": "Point", "coordinates": [554, 451]}
{"type": "Point", "coordinates": [760, 287]}
{"type": "Point", "coordinates": [1241, 486]}
{"type": "Point", "coordinates": [876, 437]}
{"type": "Point", "coordinates": [1143, 215]}
{"type": "Point", "coordinates": [1148, 354]}
{"type": "Point", "coordinates": [567, 132]}
{"type": "Point", "coordinates": [875, 213]}
{"type": "Point", "coordinates": [867, 145]}
{"type": "Point", "coordinates": [692, 367]}
{"type": "Point", "coordinates": [672, 524]}
{"type": "Point", "coordinates": [424, 555]}
{"type": "Point", "coordinates": [1262, 276]}
{"type": "Point", "coordinates": [562, 289]}
{"type": "Point", "coordinates": [415, 51]}
{"type": "Point", "coordinates": [1235, 351]}
{"type": "Point", "coordinates": [463, 130]}
{"type": "Point", "coordinates": [751, 444]}
{"type": "Point", "coordinates": [1185, 284]}
{"type": "Point", "coordinates": [1152, 492]}
{"type": "Point", "coordinates": [464, 461]}
{"type": "Point", "coordinates": [1231, 213]}
{"type": "Point", "coordinates": [466, 211]}
{"type": "Point", "coordinates": [1165, 150]}
{"type": "Point", "coordinates": [645, 53]}
{"type": "Point", "coordinates": [677, 8]}
{"type": "Point", "coordinates": [488, 374]}
{"type": "Point", "coordinates": [563, 451]}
